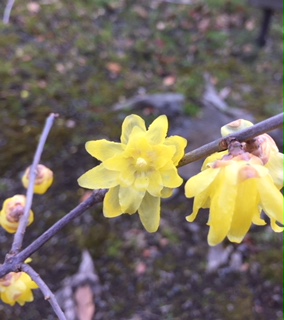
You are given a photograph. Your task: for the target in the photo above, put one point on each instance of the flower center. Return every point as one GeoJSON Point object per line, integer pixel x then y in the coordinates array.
{"type": "Point", "coordinates": [141, 163]}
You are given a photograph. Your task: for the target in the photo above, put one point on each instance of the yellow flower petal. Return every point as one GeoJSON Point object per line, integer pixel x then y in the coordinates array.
{"type": "Point", "coordinates": [103, 149]}
{"type": "Point", "coordinates": [275, 167]}
{"type": "Point", "coordinates": [7, 299]}
{"type": "Point", "coordinates": [179, 143]}
{"type": "Point", "coordinates": [209, 161]}
{"type": "Point", "coordinates": [141, 181]}
{"type": "Point", "coordinates": [130, 199]}
{"type": "Point", "coordinates": [27, 296]}
{"type": "Point", "coordinates": [166, 192]}
{"type": "Point", "coordinates": [161, 155]}
{"type": "Point", "coordinates": [200, 182]}
{"type": "Point", "coordinates": [98, 178]}
{"type": "Point", "coordinates": [158, 130]}
{"type": "Point", "coordinates": [127, 176]}
{"type": "Point", "coordinates": [222, 206]}
{"type": "Point", "coordinates": [155, 184]}
{"type": "Point", "coordinates": [200, 201]}
{"type": "Point", "coordinates": [116, 163]}
{"type": "Point", "coordinates": [170, 177]}
{"type": "Point", "coordinates": [244, 210]}
{"type": "Point", "coordinates": [256, 219]}
{"type": "Point", "coordinates": [111, 206]}
{"type": "Point", "coordinates": [129, 123]}
{"type": "Point", "coordinates": [271, 199]}
{"type": "Point", "coordinates": [275, 227]}
{"type": "Point", "coordinates": [149, 212]}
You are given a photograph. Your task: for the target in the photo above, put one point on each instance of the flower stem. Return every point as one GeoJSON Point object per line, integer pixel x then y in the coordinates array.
{"type": "Point", "coordinates": [243, 135]}
{"type": "Point", "coordinates": [19, 235]}
{"type": "Point", "coordinates": [48, 295]}
{"type": "Point", "coordinates": [12, 262]}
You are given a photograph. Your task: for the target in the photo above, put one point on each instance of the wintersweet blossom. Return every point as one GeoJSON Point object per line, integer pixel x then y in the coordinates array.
{"type": "Point", "coordinates": [12, 210]}
{"type": "Point", "coordinates": [44, 179]}
{"type": "Point", "coordinates": [138, 171]}
{"type": "Point", "coordinates": [262, 146]}
{"type": "Point", "coordinates": [17, 287]}
{"type": "Point", "coordinates": [236, 189]}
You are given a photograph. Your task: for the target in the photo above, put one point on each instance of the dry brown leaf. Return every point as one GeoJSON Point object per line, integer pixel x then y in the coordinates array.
{"type": "Point", "coordinates": [33, 7]}
{"type": "Point", "coordinates": [85, 303]}
{"type": "Point", "coordinates": [114, 68]}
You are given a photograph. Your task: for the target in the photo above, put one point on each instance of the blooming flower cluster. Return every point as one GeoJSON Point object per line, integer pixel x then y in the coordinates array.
{"type": "Point", "coordinates": [138, 172]}
{"type": "Point", "coordinates": [12, 211]}
{"type": "Point", "coordinates": [237, 185]}
{"type": "Point", "coordinates": [17, 287]}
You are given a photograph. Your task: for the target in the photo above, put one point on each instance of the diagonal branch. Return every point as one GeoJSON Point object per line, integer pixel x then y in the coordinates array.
{"type": "Point", "coordinates": [7, 11]}
{"type": "Point", "coordinates": [48, 295]}
{"type": "Point", "coordinates": [13, 262]}
{"type": "Point", "coordinates": [19, 235]}
{"type": "Point", "coordinates": [244, 135]}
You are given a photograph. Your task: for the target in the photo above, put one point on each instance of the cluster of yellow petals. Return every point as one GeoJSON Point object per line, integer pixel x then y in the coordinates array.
{"type": "Point", "coordinates": [139, 171]}
{"type": "Point", "coordinates": [12, 211]}
{"type": "Point", "coordinates": [237, 188]}
{"type": "Point", "coordinates": [44, 179]}
{"type": "Point", "coordinates": [17, 287]}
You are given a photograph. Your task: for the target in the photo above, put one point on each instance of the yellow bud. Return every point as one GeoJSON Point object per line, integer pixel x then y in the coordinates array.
{"type": "Point", "coordinates": [44, 179]}
{"type": "Point", "coordinates": [16, 287]}
{"type": "Point", "coordinates": [235, 126]}
{"type": "Point", "coordinates": [12, 211]}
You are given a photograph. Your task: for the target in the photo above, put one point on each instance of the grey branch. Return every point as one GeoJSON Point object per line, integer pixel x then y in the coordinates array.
{"type": "Point", "coordinates": [7, 11]}
{"type": "Point", "coordinates": [48, 295]}
{"type": "Point", "coordinates": [244, 135]}
{"type": "Point", "coordinates": [19, 235]}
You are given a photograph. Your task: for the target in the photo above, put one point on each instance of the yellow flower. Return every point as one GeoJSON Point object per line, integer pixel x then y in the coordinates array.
{"type": "Point", "coordinates": [44, 179]}
{"type": "Point", "coordinates": [12, 211]}
{"type": "Point", "coordinates": [138, 171]}
{"type": "Point", "coordinates": [16, 287]}
{"type": "Point", "coordinates": [235, 189]}
{"type": "Point", "coordinates": [272, 159]}
{"type": "Point", "coordinates": [262, 146]}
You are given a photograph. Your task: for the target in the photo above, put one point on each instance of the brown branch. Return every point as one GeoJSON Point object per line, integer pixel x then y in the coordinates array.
{"type": "Point", "coordinates": [19, 235]}
{"type": "Point", "coordinates": [13, 262]}
{"type": "Point", "coordinates": [7, 11]}
{"type": "Point", "coordinates": [221, 143]}
{"type": "Point", "coordinates": [48, 295]}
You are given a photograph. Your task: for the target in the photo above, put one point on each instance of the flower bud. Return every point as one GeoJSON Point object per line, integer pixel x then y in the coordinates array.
{"type": "Point", "coordinates": [44, 179]}
{"type": "Point", "coordinates": [12, 211]}
{"type": "Point", "coordinates": [235, 126]}
{"type": "Point", "coordinates": [17, 287]}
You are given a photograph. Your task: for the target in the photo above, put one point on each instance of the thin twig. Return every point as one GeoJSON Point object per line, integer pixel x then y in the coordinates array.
{"type": "Point", "coordinates": [7, 11]}
{"type": "Point", "coordinates": [244, 135]}
{"type": "Point", "coordinates": [48, 295]}
{"type": "Point", "coordinates": [12, 262]}
{"type": "Point", "coordinates": [18, 238]}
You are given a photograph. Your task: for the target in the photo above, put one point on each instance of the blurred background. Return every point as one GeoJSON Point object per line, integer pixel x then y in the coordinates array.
{"type": "Point", "coordinates": [204, 64]}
